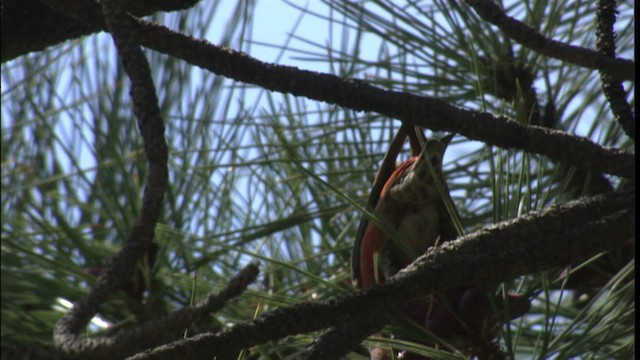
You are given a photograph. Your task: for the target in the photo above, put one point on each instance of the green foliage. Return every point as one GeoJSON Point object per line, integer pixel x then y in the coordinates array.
{"type": "Point", "coordinates": [73, 169]}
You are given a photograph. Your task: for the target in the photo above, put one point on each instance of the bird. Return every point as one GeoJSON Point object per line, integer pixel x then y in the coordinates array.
{"type": "Point", "coordinates": [414, 212]}
{"type": "Point", "coordinates": [411, 198]}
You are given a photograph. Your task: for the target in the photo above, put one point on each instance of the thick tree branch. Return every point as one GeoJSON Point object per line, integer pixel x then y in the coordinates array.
{"type": "Point", "coordinates": [413, 109]}
{"type": "Point", "coordinates": [532, 243]}
{"type": "Point", "coordinates": [621, 69]}
{"type": "Point", "coordinates": [338, 341]}
{"type": "Point", "coordinates": [142, 234]}
{"type": "Point", "coordinates": [420, 110]}
{"type": "Point", "coordinates": [30, 25]}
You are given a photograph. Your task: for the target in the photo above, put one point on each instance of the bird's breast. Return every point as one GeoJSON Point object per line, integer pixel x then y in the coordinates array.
{"type": "Point", "coordinates": [419, 228]}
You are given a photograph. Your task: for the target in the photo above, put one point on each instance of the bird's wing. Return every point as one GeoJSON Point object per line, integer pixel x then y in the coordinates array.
{"type": "Point", "coordinates": [384, 173]}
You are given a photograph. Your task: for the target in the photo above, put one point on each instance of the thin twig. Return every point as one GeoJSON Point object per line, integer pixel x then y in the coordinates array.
{"type": "Point", "coordinates": [611, 87]}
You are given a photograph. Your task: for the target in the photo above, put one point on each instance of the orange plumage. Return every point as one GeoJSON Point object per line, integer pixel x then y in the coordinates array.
{"type": "Point", "coordinates": [407, 199]}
